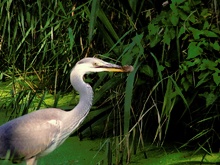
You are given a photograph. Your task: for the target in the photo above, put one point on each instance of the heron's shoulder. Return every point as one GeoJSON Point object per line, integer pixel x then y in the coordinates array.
{"type": "Point", "coordinates": [36, 117]}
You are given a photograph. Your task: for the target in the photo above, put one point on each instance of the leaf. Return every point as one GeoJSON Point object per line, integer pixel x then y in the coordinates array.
{"type": "Point", "coordinates": [169, 34]}
{"type": "Point", "coordinates": [193, 18]}
{"type": "Point", "coordinates": [147, 70]}
{"type": "Point", "coordinates": [205, 13]}
{"type": "Point", "coordinates": [196, 33]}
{"type": "Point", "coordinates": [182, 15]}
{"type": "Point", "coordinates": [210, 99]}
{"type": "Point", "coordinates": [194, 50]}
{"type": "Point", "coordinates": [207, 64]}
{"type": "Point", "coordinates": [196, 61]}
{"type": "Point", "coordinates": [154, 40]}
{"type": "Point", "coordinates": [203, 78]}
{"type": "Point", "coordinates": [216, 77]}
{"type": "Point", "coordinates": [208, 33]}
{"type": "Point", "coordinates": [153, 29]}
{"type": "Point", "coordinates": [186, 7]}
{"type": "Point", "coordinates": [185, 83]}
{"type": "Point", "coordinates": [215, 46]}
{"type": "Point", "coordinates": [206, 25]}
{"type": "Point", "coordinates": [181, 31]}
{"type": "Point", "coordinates": [161, 68]}
{"type": "Point", "coordinates": [133, 5]}
{"type": "Point", "coordinates": [154, 35]}
{"type": "Point", "coordinates": [166, 37]}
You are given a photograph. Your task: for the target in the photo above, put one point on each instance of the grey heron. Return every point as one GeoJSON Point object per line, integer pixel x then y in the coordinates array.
{"type": "Point", "coordinates": [36, 134]}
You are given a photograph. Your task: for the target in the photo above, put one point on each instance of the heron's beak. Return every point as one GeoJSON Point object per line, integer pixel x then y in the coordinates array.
{"type": "Point", "coordinates": [116, 68]}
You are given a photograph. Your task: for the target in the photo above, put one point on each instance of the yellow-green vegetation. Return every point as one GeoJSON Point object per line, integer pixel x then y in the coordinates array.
{"type": "Point", "coordinates": [46, 100]}
{"type": "Point", "coordinates": [89, 152]}
{"type": "Point", "coordinates": [92, 152]}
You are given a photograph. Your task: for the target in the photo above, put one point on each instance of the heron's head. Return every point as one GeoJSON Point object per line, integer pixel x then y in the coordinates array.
{"type": "Point", "coordinates": [87, 65]}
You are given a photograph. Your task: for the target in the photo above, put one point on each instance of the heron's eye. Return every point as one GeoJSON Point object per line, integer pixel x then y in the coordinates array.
{"type": "Point", "coordinates": [95, 64]}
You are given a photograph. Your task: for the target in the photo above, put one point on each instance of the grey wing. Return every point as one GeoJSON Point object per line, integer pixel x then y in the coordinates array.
{"type": "Point", "coordinates": [28, 137]}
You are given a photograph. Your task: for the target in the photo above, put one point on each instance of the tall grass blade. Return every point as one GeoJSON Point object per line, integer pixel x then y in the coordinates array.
{"type": "Point", "coordinates": [41, 100]}
{"type": "Point", "coordinates": [93, 18]}
{"type": "Point", "coordinates": [71, 37]}
{"type": "Point", "coordinates": [128, 98]}
{"type": "Point", "coordinates": [23, 39]}
{"type": "Point", "coordinates": [105, 21]}
{"type": "Point", "coordinates": [158, 68]}
{"type": "Point", "coordinates": [130, 83]}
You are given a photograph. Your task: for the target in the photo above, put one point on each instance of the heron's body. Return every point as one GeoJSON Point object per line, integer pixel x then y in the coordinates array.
{"type": "Point", "coordinates": [31, 135]}
{"type": "Point", "coordinates": [39, 133]}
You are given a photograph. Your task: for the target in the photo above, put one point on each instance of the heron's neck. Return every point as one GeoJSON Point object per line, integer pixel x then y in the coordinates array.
{"type": "Point", "coordinates": [78, 114]}
{"type": "Point", "coordinates": [85, 93]}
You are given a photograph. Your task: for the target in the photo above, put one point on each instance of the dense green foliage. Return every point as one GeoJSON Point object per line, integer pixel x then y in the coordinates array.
{"type": "Point", "coordinates": [174, 49]}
